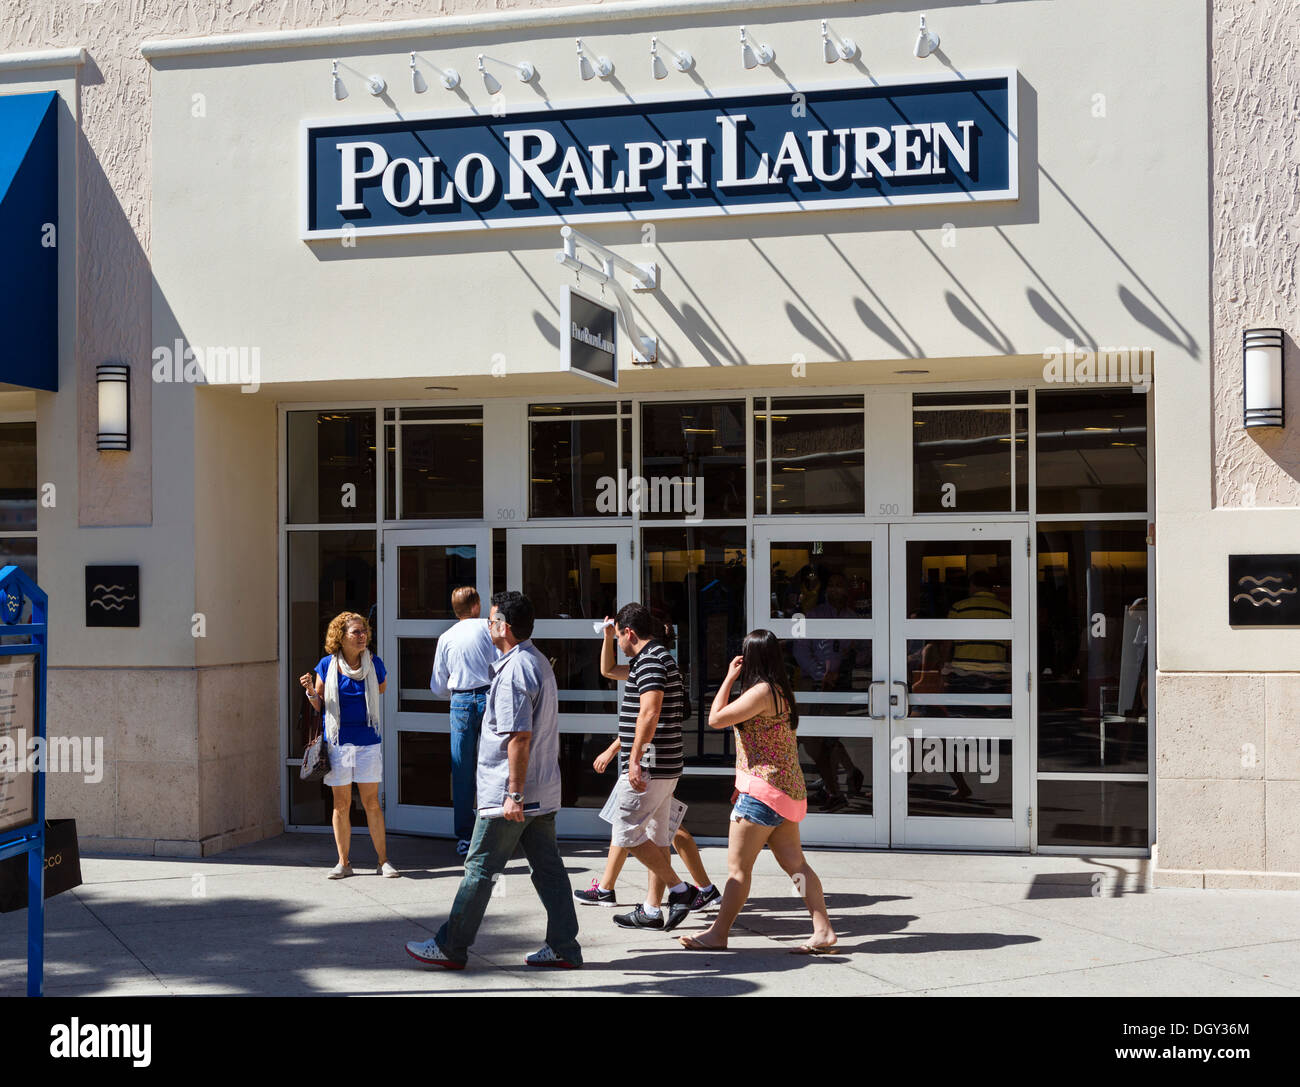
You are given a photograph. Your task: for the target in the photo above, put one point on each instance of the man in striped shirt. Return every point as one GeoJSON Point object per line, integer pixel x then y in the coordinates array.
{"type": "Point", "coordinates": [650, 762]}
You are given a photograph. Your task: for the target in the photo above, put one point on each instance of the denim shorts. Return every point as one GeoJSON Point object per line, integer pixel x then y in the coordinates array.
{"type": "Point", "coordinates": [755, 811]}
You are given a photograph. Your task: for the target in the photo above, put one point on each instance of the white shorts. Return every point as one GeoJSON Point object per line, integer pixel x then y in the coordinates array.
{"type": "Point", "coordinates": [349, 763]}
{"type": "Point", "coordinates": [642, 817]}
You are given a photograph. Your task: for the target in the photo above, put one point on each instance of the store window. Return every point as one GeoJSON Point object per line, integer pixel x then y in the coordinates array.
{"type": "Point", "coordinates": [575, 454]}
{"type": "Point", "coordinates": [435, 463]}
{"type": "Point", "coordinates": [693, 460]}
{"type": "Point", "coordinates": [970, 452]}
{"type": "Point", "coordinates": [809, 455]}
{"type": "Point", "coordinates": [331, 467]}
{"type": "Point", "coordinates": [1092, 451]}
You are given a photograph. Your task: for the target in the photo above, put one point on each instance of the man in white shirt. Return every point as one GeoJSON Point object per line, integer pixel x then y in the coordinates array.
{"type": "Point", "coordinates": [461, 672]}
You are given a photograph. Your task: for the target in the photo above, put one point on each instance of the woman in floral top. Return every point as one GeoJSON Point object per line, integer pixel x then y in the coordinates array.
{"type": "Point", "coordinates": [770, 795]}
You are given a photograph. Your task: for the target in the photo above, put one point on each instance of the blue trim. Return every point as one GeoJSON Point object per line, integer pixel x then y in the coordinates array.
{"type": "Point", "coordinates": [29, 210]}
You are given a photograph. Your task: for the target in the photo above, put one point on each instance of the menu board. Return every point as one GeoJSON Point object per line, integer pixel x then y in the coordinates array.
{"type": "Point", "coordinates": [17, 729]}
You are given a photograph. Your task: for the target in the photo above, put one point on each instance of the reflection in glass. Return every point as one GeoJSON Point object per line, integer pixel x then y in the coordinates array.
{"type": "Point", "coordinates": [959, 579]}
{"type": "Point", "coordinates": [331, 455]}
{"type": "Point", "coordinates": [962, 667]}
{"type": "Point", "coordinates": [571, 581]}
{"type": "Point", "coordinates": [825, 579]}
{"type": "Point", "coordinates": [426, 576]}
{"type": "Point", "coordinates": [311, 803]}
{"type": "Point", "coordinates": [1093, 813]}
{"type": "Point", "coordinates": [703, 440]}
{"type": "Point", "coordinates": [1092, 647]}
{"type": "Point", "coordinates": [328, 573]}
{"type": "Point", "coordinates": [837, 772]}
{"type": "Point", "coordinates": [1092, 451]}
{"type": "Point", "coordinates": [829, 676]}
{"type": "Point", "coordinates": [414, 670]}
{"type": "Point", "coordinates": [581, 687]}
{"type": "Point", "coordinates": [442, 470]}
{"type": "Point", "coordinates": [818, 462]}
{"type": "Point", "coordinates": [694, 583]}
{"type": "Point", "coordinates": [18, 477]}
{"type": "Point", "coordinates": [961, 461]}
{"type": "Point", "coordinates": [580, 785]}
{"type": "Point", "coordinates": [424, 769]}
{"type": "Point", "coordinates": [20, 551]}
{"type": "Point", "coordinates": [958, 777]}
{"type": "Point", "coordinates": [569, 458]}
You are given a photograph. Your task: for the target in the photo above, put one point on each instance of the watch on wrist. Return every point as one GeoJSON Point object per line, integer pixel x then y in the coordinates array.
{"type": "Point", "coordinates": [518, 798]}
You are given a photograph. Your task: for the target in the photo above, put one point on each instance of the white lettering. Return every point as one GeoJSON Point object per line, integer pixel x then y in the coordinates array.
{"type": "Point", "coordinates": [348, 199]}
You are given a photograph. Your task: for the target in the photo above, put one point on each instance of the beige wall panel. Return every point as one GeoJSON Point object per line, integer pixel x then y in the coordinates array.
{"type": "Point", "coordinates": [158, 800]}
{"type": "Point", "coordinates": [1211, 824]}
{"type": "Point", "coordinates": [1205, 723]}
{"type": "Point", "coordinates": [1282, 730]}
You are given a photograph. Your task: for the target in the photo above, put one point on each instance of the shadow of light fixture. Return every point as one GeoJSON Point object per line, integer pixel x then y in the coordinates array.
{"type": "Point", "coordinates": [1261, 379]}
{"type": "Point", "coordinates": [113, 384]}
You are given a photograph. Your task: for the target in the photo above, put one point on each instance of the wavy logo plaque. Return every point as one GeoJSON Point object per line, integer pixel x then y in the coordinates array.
{"type": "Point", "coordinates": [1264, 590]}
{"type": "Point", "coordinates": [112, 596]}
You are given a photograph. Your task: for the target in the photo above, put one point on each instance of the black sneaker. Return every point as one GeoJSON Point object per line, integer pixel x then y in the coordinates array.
{"type": "Point", "coordinates": [638, 918]}
{"type": "Point", "coordinates": [679, 905]}
{"type": "Point", "coordinates": [595, 896]}
{"type": "Point", "coordinates": [705, 898]}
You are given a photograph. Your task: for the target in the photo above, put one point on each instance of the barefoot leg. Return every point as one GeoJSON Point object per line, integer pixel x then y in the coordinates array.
{"type": "Point", "coordinates": [789, 855]}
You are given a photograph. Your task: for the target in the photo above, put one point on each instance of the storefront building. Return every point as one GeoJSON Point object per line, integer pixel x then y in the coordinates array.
{"type": "Point", "coordinates": [935, 393]}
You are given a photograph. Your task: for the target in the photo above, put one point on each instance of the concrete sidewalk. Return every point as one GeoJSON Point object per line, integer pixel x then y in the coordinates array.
{"type": "Point", "coordinates": [264, 920]}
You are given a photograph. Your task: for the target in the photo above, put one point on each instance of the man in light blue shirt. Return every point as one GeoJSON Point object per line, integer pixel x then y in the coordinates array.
{"type": "Point", "coordinates": [461, 671]}
{"type": "Point", "coordinates": [518, 796]}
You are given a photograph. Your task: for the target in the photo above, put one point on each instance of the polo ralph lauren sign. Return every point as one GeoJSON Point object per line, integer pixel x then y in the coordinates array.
{"type": "Point", "coordinates": [834, 146]}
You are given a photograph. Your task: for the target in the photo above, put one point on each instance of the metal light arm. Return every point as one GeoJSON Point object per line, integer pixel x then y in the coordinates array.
{"type": "Point", "coordinates": [645, 349]}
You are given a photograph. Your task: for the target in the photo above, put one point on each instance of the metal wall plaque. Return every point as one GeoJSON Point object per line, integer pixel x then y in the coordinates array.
{"type": "Point", "coordinates": [1263, 590]}
{"type": "Point", "coordinates": [112, 596]}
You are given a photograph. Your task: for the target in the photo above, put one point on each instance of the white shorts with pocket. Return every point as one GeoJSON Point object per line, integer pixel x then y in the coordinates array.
{"type": "Point", "coordinates": [642, 817]}
{"type": "Point", "coordinates": [350, 763]}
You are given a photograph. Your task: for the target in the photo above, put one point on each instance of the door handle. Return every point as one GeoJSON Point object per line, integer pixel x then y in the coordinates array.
{"type": "Point", "coordinates": [900, 699]}
{"type": "Point", "coordinates": [871, 702]}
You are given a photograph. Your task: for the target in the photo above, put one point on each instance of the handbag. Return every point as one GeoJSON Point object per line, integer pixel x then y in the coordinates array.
{"type": "Point", "coordinates": [316, 758]}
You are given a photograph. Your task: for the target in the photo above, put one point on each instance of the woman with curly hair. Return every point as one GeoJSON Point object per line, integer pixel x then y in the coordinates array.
{"type": "Point", "coordinates": [347, 684]}
{"type": "Point", "coordinates": [771, 798]}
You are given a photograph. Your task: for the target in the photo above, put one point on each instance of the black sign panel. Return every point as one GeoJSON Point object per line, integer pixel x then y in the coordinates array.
{"type": "Point", "coordinates": [112, 596]}
{"type": "Point", "coordinates": [588, 337]}
{"type": "Point", "coordinates": [1264, 590]}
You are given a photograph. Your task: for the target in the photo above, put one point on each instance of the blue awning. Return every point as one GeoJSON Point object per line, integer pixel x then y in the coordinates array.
{"type": "Point", "coordinates": [29, 217]}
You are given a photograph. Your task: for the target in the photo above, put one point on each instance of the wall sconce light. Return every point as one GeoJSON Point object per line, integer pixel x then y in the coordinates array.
{"type": "Point", "coordinates": [374, 84]}
{"type": "Point", "coordinates": [113, 382]}
{"type": "Point", "coordinates": [524, 71]}
{"type": "Point", "coordinates": [604, 67]}
{"type": "Point", "coordinates": [843, 49]}
{"type": "Point", "coordinates": [449, 77]}
{"type": "Point", "coordinates": [682, 60]}
{"type": "Point", "coordinates": [751, 56]}
{"type": "Point", "coordinates": [927, 41]}
{"type": "Point", "coordinates": [1262, 377]}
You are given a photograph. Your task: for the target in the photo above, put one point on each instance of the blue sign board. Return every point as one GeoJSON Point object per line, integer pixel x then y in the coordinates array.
{"type": "Point", "coordinates": [841, 145]}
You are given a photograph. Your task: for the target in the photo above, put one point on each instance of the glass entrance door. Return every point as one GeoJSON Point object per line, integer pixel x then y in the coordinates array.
{"type": "Point", "coordinates": [420, 570]}
{"type": "Point", "coordinates": [959, 686]}
{"type": "Point", "coordinates": [823, 589]}
{"type": "Point", "coordinates": [574, 578]}
{"type": "Point", "coordinates": [906, 647]}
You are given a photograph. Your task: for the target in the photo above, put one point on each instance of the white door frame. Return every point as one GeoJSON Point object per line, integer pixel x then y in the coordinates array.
{"type": "Point", "coordinates": [955, 832]}
{"type": "Point", "coordinates": [577, 822]}
{"type": "Point", "coordinates": [412, 817]}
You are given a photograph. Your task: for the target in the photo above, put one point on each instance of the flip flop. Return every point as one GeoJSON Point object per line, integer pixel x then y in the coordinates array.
{"type": "Point", "coordinates": [692, 944]}
{"type": "Point", "coordinates": [815, 949]}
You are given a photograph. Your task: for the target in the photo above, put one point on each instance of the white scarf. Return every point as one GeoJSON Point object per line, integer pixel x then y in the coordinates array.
{"type": "Point", "coordinates": [366, 671]}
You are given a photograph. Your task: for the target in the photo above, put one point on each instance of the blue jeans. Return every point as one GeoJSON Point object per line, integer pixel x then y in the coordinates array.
{"type": "Point", "coordinates": [747, 807]}
{"type": "Point", "coordinates": [466, 719]}
{"type": "Point", "coordinates": [490, 851]}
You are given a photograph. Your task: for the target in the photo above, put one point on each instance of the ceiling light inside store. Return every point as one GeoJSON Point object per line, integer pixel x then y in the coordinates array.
{"type": "Point", "coordinates": [911, 371]}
